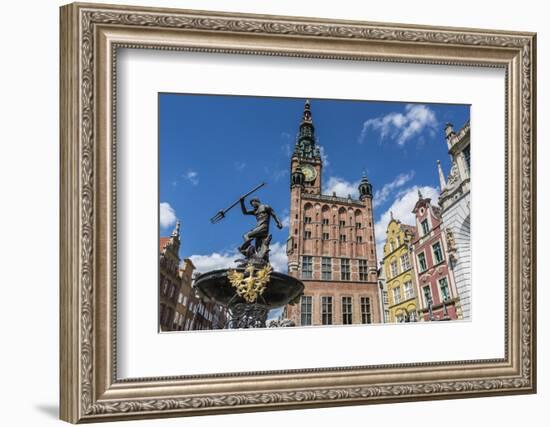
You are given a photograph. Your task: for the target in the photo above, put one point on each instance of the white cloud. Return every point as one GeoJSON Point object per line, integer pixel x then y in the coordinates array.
{"type": "Point", "coordinates": [402, 210]}
{"type": "Point", "coordinates": [341, 187]}
{"type": "Point", "coordinates": [275, 313]}
{"type": "Point", "coordinates": [217, 261]}
{"type": "Point", "coordinates": [167, 215]}
{"type": "Point", "coordinates": [239, 166]}
{"type": "Point", "coordinates": [324, 156]}
{"type": "Point", "coordinates": [286, 221]}
{"type": "Point", "coordinates": [191, 176]}
{"type": "Point", "coordinates": [380, 196]}
{"type": "Point", "coordinates": [214, 261]}
{"type": "Point", "coordinates": [278, 257]}
{"type": "Point", "coordinates": [402, 126]}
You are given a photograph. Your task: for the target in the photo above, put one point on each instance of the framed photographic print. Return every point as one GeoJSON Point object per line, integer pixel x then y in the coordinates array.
{"type": "Point", "coordinates": [266, 212]}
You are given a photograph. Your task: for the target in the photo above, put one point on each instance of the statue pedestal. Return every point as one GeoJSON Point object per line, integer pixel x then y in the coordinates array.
{"type": "Point", "coordinates": [216, 287]}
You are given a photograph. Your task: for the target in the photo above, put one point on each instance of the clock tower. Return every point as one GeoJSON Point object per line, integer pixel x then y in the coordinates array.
{"type": "Point", "coordinates": [331, 246]}
{"type": "Point", "coordinates": [307, 156]}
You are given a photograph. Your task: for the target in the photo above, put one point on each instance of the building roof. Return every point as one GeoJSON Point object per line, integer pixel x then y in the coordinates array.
{"type": "Point", "coordinates": [410, 228]}
{"type": "Point", "coordinates": [163, 242]}
{"type": "Point", "coordinates": [333, 199]}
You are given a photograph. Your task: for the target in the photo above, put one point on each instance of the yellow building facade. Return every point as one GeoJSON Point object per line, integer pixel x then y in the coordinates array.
{"type": "Point", "coordinates": [400, 277]}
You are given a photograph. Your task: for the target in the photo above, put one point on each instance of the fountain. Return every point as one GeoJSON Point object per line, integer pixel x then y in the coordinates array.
{"type": "Point", "coordinates": [252, 288]}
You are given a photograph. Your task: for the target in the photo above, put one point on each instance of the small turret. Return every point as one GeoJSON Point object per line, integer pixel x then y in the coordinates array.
{"type": "Point", "coordinates": [449, 130]}
{"type": "Point", "coordinates": [365, 188]}
{"type": "Point", "coordinates": [297, 178]}
{"type": "Point", "coordinates": [449, 133]}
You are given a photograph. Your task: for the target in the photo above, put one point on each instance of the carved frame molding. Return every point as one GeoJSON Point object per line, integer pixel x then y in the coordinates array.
{"type": "Point", "coordinates": [90, 36]}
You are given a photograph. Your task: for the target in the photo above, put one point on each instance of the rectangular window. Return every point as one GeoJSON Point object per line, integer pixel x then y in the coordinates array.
{"type": "Point", "coordinates": [444, 288]}
{"type": "Point", "coordinates": [307, 267]}
{"type": "Point", "coordinates": [326, 310]}
{"type": "Point", "coordinates": [438, 253]}
{"type": "Point", "coordinates": [307, 234]}
{"type": "Point", "coordinates": [326, 268]}
{"type": "Point", "coordinates": [325, 221]}
{"type": "Point", "coordinates": [405, 263]}
{"type": "Point", "coordinates": [386, 316]}
{"type": "Point", "coordinates": [425, 227]}
{"type": "Point", "coordinates": [180, 298]}
{"type": "Point", "coordinates": [393, 266]}
{"type": "Point", "coordinates": [184, 300]}
{"type": "Point", "coordinates": [427, 295]}
{"type": "Point", "coordinates": [363, 270]}
{"type": "Point", "coordinates": [347, 316]}
{"type": "Point", "coordinates": [396, 295]}
{"type": "Point", "coordinates": [342, 237]}
{"type": "Point", "coordinates": [359, 239]}
{"type": "Point", "coordinates": [385, 297]}
{"type": "Point", "coordinates": [342, 223]}
{"type": "Point", "coordinates": [366, 316]}
{"type": "Point", "coordinates": [307, 220]}
{"type": "Point", "coordinates": [409, 292]}
{"type": "Point", "coordinates": [345, 273]}
{"type": "Point", "coordinates": [306, 311]}
{"type": "Point", "coordinates": [422, 261]}
{"type": "Point", "coordinates": [325, 236]}
{"type": "Point", "coordinates": [169, 313]}
{"type": "Point", "coordinates": [358, 225]}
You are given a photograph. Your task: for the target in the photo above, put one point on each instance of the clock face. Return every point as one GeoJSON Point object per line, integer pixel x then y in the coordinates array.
{"type": "Point", "coordinates": [309, 173]}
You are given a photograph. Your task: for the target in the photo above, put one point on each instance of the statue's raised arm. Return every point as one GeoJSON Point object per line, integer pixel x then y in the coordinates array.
{"type": "Point", "coordinates": [243, 208]}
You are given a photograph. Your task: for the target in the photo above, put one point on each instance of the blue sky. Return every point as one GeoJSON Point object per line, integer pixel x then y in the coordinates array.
{"type": "Point", "coordinates": [212, 149]}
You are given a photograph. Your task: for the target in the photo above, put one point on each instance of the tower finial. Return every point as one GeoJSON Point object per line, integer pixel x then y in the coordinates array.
{"type": "Point", "coordinates": [391, 215]}
{"type": "Point", "coordinates": [307, 111]}
{"type": "Point", "coordinates": [420, 194]}
{"type": "Point", "coordinates": [176, 232]}
{"type": "Point", "coordinates": [442, 183]}
{"type": "Point", "coordinates": [305, 141]}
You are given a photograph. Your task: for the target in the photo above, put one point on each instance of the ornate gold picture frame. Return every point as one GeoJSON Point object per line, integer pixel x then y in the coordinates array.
{"type": "Point", "coordinates": [91, 390]}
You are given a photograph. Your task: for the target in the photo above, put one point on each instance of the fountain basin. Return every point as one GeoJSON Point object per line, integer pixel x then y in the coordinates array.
{"type": "Point", "coordinates": [214, 286]}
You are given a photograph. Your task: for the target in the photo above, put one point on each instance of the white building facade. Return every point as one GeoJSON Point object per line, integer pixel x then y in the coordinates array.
{"type": "Point", "coordinates": [455, 212]}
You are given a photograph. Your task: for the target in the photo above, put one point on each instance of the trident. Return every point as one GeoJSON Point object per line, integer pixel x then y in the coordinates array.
{"type": "Point", "coordinates": [221, 214]}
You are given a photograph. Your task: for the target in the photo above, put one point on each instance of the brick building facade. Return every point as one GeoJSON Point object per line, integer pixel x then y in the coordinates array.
{"type": "Point", "coordinates": [169, 280]}
{"type": "Point", "coordinates": [179, 308]}
{"type": "Point", "coordinates": [331, 245]}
